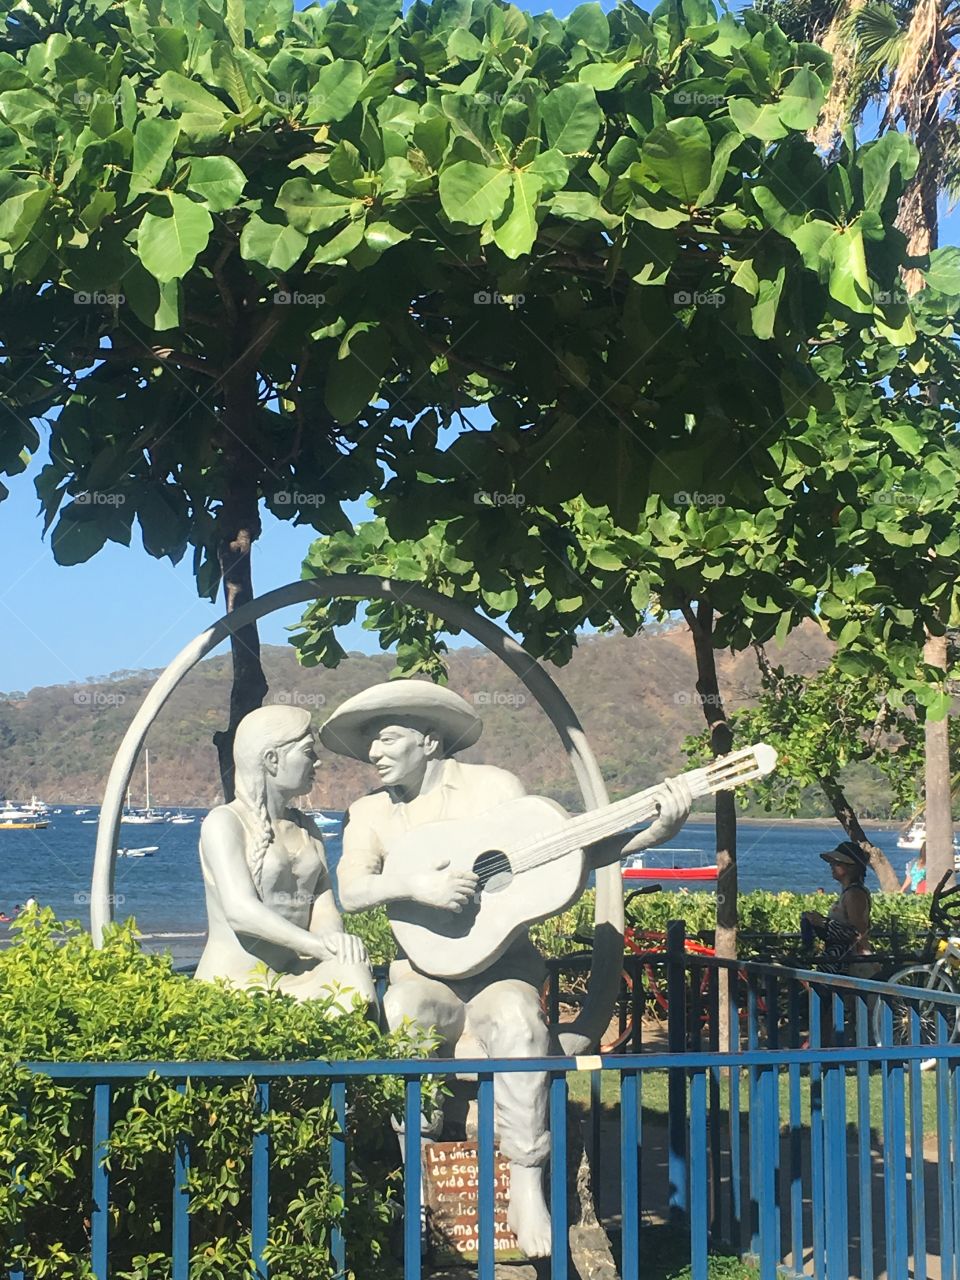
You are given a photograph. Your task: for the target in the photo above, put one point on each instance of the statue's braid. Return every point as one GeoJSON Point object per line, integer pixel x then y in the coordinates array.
{"type": "Point", "coordinates": [264, 838]}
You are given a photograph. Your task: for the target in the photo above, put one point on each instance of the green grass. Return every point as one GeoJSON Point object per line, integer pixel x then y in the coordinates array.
{"type": "Point", "coordinates": [653, 1096]}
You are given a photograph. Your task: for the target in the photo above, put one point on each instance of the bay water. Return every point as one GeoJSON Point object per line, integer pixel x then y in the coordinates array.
{"type": "Point", "coordinates": [164, 892]}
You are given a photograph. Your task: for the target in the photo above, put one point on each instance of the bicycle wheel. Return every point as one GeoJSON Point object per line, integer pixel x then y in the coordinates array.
{"type": "Point", "coordinates": [918, 977]}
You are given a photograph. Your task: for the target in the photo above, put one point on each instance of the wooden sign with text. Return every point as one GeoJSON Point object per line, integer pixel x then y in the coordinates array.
{"type": "Point", "coordinates": [451, 1182]}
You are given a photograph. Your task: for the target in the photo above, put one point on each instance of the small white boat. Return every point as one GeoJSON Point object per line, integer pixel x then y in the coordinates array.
{"type": "Point", "coordinates": [79, 812]}
{"type": "Point", "coordinates": [181, 819]}
{"type": "Point", "coordinates": [914, 836]}
{"type": "Point", "coordinates": [89, 822]}
{"type": "Point", "coordinates": [147, 817]}
{"type": "Point", "coordinates": [325, 819]}
{"type": "Point", "coordinates": [147, 851]}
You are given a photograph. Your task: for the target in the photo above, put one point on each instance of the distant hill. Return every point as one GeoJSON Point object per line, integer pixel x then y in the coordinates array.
{"type": "Point", "coordinates": [635, 696]}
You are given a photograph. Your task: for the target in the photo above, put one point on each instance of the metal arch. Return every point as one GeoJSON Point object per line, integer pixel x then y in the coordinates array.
{"type": "Point", "coordinates": [579, 1036]}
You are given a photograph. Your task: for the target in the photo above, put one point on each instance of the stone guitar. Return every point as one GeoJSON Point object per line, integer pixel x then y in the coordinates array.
{"type": "Point", "coordinates": [528, 856]}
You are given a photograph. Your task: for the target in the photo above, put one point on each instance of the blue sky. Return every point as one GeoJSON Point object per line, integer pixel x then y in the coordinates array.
{"type": "Point", "coordinates": [124, 609]}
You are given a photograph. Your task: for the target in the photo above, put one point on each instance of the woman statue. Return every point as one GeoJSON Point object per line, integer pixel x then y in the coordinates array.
{"type": "Point", "coordinates": [269, 897]}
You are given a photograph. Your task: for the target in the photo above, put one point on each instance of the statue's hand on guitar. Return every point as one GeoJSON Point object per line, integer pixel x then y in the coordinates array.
{"type": "Point", "coordinates": [673, 809]}
{"type": "Point", "coordinates": [441, 886]}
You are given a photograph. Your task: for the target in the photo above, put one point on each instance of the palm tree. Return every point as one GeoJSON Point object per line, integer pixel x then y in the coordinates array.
{"type": "Point", "coordinates": [901, 60]}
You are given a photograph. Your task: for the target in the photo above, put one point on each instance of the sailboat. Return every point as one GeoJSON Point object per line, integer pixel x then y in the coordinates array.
{"type": "Point", "coordinates": [147, 816]}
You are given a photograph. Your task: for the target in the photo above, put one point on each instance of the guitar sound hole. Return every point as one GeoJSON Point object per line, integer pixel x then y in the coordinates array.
{"type": "Point", "coordinates": [494, 870]}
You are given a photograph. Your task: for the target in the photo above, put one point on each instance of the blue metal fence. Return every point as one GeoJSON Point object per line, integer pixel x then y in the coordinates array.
{"type": "Point", "coordinates": [804, 1146]}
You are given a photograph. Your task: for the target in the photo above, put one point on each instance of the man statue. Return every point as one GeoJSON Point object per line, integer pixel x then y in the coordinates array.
{"type": "Point", "coordinates": [410, 731]}
{"type": "Point", "coordinates": [269, 897]}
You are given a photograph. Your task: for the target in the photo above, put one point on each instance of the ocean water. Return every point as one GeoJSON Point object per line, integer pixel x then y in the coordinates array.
{"type": "Point", "coordinates": [165, 892]}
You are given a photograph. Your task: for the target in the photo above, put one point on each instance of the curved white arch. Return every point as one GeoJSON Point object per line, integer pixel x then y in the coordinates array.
{"type": "Point", "coordinates": [579, 1036]}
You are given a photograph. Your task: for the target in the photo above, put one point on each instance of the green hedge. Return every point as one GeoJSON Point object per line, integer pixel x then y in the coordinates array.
{"type": "Point", "coordinates": [905, 916]}
{"type": "Point", "coordinates": [61, 1000]}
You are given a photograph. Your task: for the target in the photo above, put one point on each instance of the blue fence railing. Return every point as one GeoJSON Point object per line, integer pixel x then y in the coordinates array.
{"type": "Point", "coordinates": [807, 1147]}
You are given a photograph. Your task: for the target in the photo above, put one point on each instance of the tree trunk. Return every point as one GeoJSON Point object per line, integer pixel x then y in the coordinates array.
{"type": "Point", "coordinates": [938, 806]}
{"type": "Point", "coordinates": [238, 527]}
{"type": "Point", "coordinates": [700, 623]}
{"type": "Point", "coordinates": [843, 812]}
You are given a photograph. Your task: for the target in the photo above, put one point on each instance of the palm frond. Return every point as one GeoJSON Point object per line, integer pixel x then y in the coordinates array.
{"type": "Point", "coordinates": [879, 36]}
{"type": "Point", "coordinates": [908, 91]}
{"type": "Point", "coordinates": [845, 100]}
{"type": "Point", "coordinates": [950, 158]}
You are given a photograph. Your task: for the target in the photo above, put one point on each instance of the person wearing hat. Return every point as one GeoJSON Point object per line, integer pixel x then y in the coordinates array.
{"type": "Point", "coordinates": [411, 732]}
{"type": "Point", "coordinates": [850, 914]}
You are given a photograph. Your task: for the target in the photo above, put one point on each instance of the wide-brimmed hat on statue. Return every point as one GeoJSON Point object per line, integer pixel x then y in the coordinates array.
{"type": "Point", "coordinates": [348, 730]}
{"type": "Point", "coordinates": [850, 854]}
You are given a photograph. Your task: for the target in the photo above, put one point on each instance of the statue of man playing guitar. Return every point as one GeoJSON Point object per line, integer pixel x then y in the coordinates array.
{"type": "Point", "coordinates": [410, 731]}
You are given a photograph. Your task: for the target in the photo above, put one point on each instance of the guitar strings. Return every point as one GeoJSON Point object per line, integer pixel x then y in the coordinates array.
{"type": "Point", "coordinates": [585, 829]}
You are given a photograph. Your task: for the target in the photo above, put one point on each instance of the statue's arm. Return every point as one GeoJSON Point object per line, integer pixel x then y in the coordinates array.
{"type": "Point", "coordinates": [362, 877]}
{"type": "Point", "coordinates": [673, 801]}
{"type": "Point", "coordinates": [221, 843]}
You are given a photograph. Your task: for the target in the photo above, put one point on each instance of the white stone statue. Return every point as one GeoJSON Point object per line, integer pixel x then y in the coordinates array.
{"type": "Point", "coordinates": [269, 896]}
{"type": "Point", "coordinates": [400, 850]}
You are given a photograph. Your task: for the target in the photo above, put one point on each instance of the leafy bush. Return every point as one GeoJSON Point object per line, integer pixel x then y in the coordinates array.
{"type": "Point", "coordinates": [61, 1000]}
{"type": "Point", "coordinates": [899, 919]}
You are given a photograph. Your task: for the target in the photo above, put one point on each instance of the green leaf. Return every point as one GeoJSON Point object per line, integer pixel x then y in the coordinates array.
{"type": "Point", "coordinates": [757, 122]}
{"type": "Point", "coordinates": [764, 312]}
{"type": "Point", "coordinates": [353, 381]}
{"type": "Point", "coordinates": [572, 118]}
{"type": "Point", "coordinates": [272, 244]}
{"type": "Point", "coordinates": [312, 208]}
{"type": "Point", "coordinates": [22, 201]}
{"type": "Point", "coordinates": [236, 22]}
{"type": "Point", "coordinates": [943, 273]}
{"type": "Point", "coordinates": [589, 24]}
{"type": "Point", "coordinates": [849, 279]}
{"type": "Point", "coordinates": [153, 144]}
{"type": "Point", "coordinates": [516, 232]}
{"type": "Point", "coordinates": [343, 242]}
{"type": "Point", "coordinates": [77, 535]}
{"type": "Point", "coordinates": [604, 76]}
{"type": "Point", "coordinates": [183, 95]}
{"type": "Point", "coordinates": [907, 437]}
{"type": "Point", "coordinates": [877, 161]}
{"type": "Point", "coordinates": [802, 100]}
{"type": "Point", "coordinates": [336, 92]}
{"type": "Point", "coordinates": [463, 44]}
{"type": "Point", "coordinates": [473, 193]}
{"type": "Point", "coordinates": [217, 180]}
{"type": "Point", "coordinates": [171, 235]}
{"type": "Point", "coordinates": [677, 154]}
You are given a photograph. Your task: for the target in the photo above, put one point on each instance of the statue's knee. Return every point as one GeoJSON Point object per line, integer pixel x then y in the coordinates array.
{"type": "Point", "coordinates": [513, 1025]}
{"type": "Point", "coordinates": [400, 1006]}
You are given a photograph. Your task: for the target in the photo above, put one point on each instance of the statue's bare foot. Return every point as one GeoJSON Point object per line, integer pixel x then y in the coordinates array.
{"type": "Point", "coordinates": [527, 1215]}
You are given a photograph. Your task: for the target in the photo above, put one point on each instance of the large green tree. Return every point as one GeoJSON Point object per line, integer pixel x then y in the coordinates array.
{"type": "Point", "coordinates": [901, 59]}
{"type": "Point", "coordinates": [250, 255]}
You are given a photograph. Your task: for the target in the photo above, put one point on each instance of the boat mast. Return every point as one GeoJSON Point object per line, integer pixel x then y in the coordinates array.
{"type": "Point", "coordinates": [148, 778]}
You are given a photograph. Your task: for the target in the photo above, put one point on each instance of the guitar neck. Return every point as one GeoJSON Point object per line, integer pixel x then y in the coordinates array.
{"type": "Point", "coordinates": [722, 774]}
